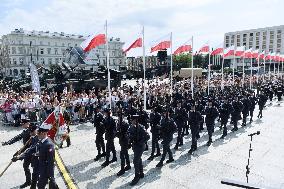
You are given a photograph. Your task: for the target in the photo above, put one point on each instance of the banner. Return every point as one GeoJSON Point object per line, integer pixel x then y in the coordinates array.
{"type": "Point", "coordinates": [35, 78]}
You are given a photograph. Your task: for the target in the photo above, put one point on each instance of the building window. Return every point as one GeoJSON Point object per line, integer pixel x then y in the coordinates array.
{"type": "Point", "coordinates": [56, 60]}
{"type": "Point", "coordinates": [41, 43]}
{"type": "Point", "coordinates": [14, 50]}
{"type": "Point", "coordinates": [113, 61]}
{"type": "Point", "coordinates": [55, 51]}
{"type": "Point", "coordinates": [55, 44]}
{"type": "Point", "coordinates": [50, 61]}
{"type": "Point", "coordinates": [113, 53]}
{"type": "Point", "coordinates": [48, 50]}
{"type": "Point", "coordinates": [63, 44]}
{"type": "Point", "coordinates": [21, 61]}
{"type": "Point", "coordinates": [20, 49]}
{"type": "Point", "coordinates": [41, 51]}
{"type": "Point", "coordinates": [69, 44]}
{"type": "Point", "coordinates": [14, 61]}
{"type": "Point", "coordinates": [76, 44]}
{"type": "Point", "coordinates": [48, 43]}
{"type": "Point", "coordinates": [251, 34]}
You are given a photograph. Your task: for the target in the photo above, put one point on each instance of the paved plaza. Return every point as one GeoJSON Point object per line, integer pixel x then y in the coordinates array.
{"type": "Point", "coordinates": [204, 169]}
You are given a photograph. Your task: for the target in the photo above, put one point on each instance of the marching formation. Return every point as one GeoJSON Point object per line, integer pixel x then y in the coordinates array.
{"type": "Point", "coordinates": [180, 113]}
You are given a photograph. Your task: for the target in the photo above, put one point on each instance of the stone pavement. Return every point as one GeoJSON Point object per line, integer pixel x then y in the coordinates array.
{"type": "Point", "coordinates": [204, 169]}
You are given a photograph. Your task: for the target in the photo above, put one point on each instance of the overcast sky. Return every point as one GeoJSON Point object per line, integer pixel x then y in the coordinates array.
{"type": "Point", "coordinates": [206, 20]}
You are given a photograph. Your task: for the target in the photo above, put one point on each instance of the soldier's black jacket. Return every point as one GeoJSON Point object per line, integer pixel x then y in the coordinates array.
{"type": "Point", "coordinates": [253, 101]}
{"type": "Point", "coordinates": [211, 114]}
{"type": "Point", "coordinates": [194, 118]}
{"type": "Point", "coordinates": [32, 150]}
{"type": "Point", "coordinates": [238, 107]}
{"type": "Point", "coordinates": [168, 128]}
{"type": "Point", "coordinates": [46, 158]}
{"type": "Point", "coordinates": [98, 123]}
{"type": "Point", "coordinates": [180, 116]}
{"type": "Point", "coordinates": [137, 136]}
{"type": "Point", "coordinates": [246, 105]}
{"type": "Point", "coordinates": [155, 119]}
{"type": "Point", "coordinates": [110, 128]}
{"type": "Point", "coordinates": [226, 110]}
{"type": "Point", "coordinates": [262, 100]}
{"type": "Point", "coordinates": [25, 135]}
{"type": "Point", "coordinates": [122, 133]}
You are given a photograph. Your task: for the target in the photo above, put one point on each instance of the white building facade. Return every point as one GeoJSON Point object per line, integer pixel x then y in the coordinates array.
{"type": "Point", "coordinates": [269, 39]}
{"type": "Point", "coordinates": [20, 48]}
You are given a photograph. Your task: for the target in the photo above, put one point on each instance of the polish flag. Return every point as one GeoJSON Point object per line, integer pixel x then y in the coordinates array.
{"type": "Point", "coordinates": [217, 51]}
{"type": "Point", "coordinates": [228, 51]}
{"type": "Point", "coordinates": [268, 57]}
{"type": "Point", "coordinates": [240, 51]}
{"type": "Point", "coordinates": [261, 55]}
{"type": "Point", "coordinates": [272, 57]}
{"type": "Point", "coordinates": [255, 53]}
{"type": "Point", "coordinates": [135, 44]}
{"type": "Point", "coordinates": [56, 125]}
{"type": "Point", "coordinates": [93, 41]}
{"type": "Point", "coordinates": [204, 49]}
{"type": "Point", "coordinates": [183, 48]}
{"type": "Point", "coordinates": [247, 53]}
{"type": "Point", "coordinates": [161, 46]}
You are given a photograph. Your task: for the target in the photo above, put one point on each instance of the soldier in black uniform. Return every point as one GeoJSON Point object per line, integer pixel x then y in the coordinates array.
{"type": "Point", "coordinates": [155, 118]}
{"type": "Point", "coordinates": [110, 132]}
{"type": "Point", "coordinates": [225, 111]}
{"type": "Point", "coordinates": [31, 153]}
{"type": "Point", "coordinates": [143, 120]}
{"type": "Point", "coordinates": [67, 119]}
{"type": "Point", "coordinates": [137, 138]}
{"type": "Point", "coordinates": [279, 93]}
{"type": "Point", "coordinates": [25, 135]}
{"type": "Point", "coordinates": [246, 107]}
{"type": "Point", "coordinates": [100, 130]}
{"type": "Point", "coordinates": [253, 101]}
{"type": "Point", "coordinates": [168, 128]}
{"type": "Point", "coordinates": [194, 119]}
{"type": "Point", "coordinates": [122, 134]}
{"type": "Point", "coordinates": [261, 103]}
{"type": "Point", "coordinates": [236, 114]}
{"type": "Point", "coordinates": [211, 114]}
{"type": "Point", "coordinates": [46, 154]}
{"type": "Point", "coordinates": [179, 118]}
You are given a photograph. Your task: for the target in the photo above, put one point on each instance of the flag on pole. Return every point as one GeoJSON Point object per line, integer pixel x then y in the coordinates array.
{"type": "Point", "coordinates": [183, 48]}
{"type": "Point", "coordinates": [56, 125]}
{"type": "Point", "coordinates": [135, 44]}
{"type": "Point", "coordinates": [268, 56]}
{"type": "Point", "coordinates": [93, 41]}
{"type": "Point", "coordinates": [161, 46]}
{"type": "Point", "coordinates": [261, 55]}
{"type": "Point", "coordinates": [229, 51]}
{"type": "Point", "coordinates": [247, 53]}
{"type": "Point", "coordinates": [217, 51]}
{"type": "Point", "coordinates": [240, 51]}
{"type": "Point", "coordinates": [255, 53]}
{"type": "Point", "coordinates": [204, 49]}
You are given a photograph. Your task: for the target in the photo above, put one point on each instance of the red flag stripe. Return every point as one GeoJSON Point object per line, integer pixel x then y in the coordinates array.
{"type": "Point", "coordinates": [135, 44]}
{"type": "Point", "coordinates": [161, 46]}
{"type": "Point", "coordinates": [99, 39]}
{"type": "Point", "coordinates": [181, 49]}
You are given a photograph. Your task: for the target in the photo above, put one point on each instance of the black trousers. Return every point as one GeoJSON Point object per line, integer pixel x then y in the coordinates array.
{"type": "Point", "coordinates": [26, 165]}
{"type": "Point", "coordinates": [194, 132]}
{"type": "Point", "coordinates": [137, 160]}
{"type": "Point", "coordinates": [100, 143]}
{"type": "Point", "coordinates": [124, 156]}
{"type": "Point", "coordinates": [110, 148]}
{"type": "Point", "coordinates": [210, 130]}
{"type": "Point", "coordinates": [180, 135]}
{"type": "Point", "coordinates": [166, 150]}
{"type": "Point", "coordinates": [155, 144]}
{"type": "Point", "coordinates": [224, 122]}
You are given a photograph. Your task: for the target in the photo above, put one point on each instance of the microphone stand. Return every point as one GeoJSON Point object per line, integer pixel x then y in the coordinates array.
{"type": "Point", "coordinates": [247, 167]}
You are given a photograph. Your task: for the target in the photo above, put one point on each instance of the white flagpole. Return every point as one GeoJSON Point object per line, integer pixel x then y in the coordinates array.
{"type": "Point", "coordinates": [278, 66]}
{"type": "Point", "coordinates": [222, 81]}
{"type": "Point", "coordinates": [171, 64]}
{"type": "Point", "coordinates": [274, 66]}
{"type": "Point", "coordinates": [219, 59]}
{"type": "Point", "coordinates": [282, 65]}
{"type": "Point", "coordinates": [144, 65]}
{"type": "Point", "coordinates": [234, 63]}
{"type": "Point", "coordinates": [243, 80]}
{"type": "Point", "coordinates": [192, 67]}
{"type": "Point", "coordinates": [209, 70]}
{"type": "Point", "coordinates": [257, 69]}
{"type": "Point", "coordinates": [264, 67]}
{"type": "Point", "coordinates": [269, 68]}
{"type": "Point", "coordinates": [250, 80]}
{"type": "Point", "coordinates": [108, 72]}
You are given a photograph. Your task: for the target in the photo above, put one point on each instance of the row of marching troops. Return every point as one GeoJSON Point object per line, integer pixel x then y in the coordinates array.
{"type": "Point", "coordinates": [180, 113]}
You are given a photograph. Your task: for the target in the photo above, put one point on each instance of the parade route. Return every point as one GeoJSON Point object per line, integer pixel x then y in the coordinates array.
{"type": "Point", "coordinates": [204, 169]}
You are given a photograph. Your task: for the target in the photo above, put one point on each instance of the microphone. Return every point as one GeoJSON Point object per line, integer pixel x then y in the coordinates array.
{"type": "Point", "coordinates": [256, 133]}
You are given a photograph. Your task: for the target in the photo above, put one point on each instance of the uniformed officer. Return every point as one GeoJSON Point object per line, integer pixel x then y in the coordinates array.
{"type": "Point", "coordinates": [253, 101]}
{"type": "Point", "coordinates": [236, 114]}
{"type": "Point", "coordinates": [110, 132]}
{"type": "Point", "coordinates": [25, 135]}
{"type": "Point", "coordinates": [180, 119]}
{"type": "Point", "coordinates": [246, 107]}
{"type": "Point", "coordinates": [194, 119]}
{"type": "Point", "coordinates": [122, 134]}
{"type": "Point", "coordinates": [100, 130]}
{"type": "Point", "coordinates": [31, 153]}
{"type": "Point", "coordinates": [46, 155]}
{"type": "Point", "coordinates": [211, 114]}
{"type": "Point", "coordinates": [155, 118]}
{"type": "Point", "coordinates": [225, 111]}
{"type": "Point", "coordinates": [168, 128]}
{"type": "Point", "coordinates": [137, 138]}
{"type": "Point", "coordinates": [143, 120]}
{"type": "Point", "coordinates": [261, 103]}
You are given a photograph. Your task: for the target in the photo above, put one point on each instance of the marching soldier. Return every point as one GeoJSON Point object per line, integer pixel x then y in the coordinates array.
{"type": "Point", "coordinates": [236, 114]}
{"type": "Point", "coordinates": [168, 128]}
{"type": "Point", "coordinates": [143, 120]}
{"type": "Point", "coordinates": [100, 130]}
{"type": "Point", "coordinates": [194, 119]}
{"type": "Point", "coordinates": [225, 111]}
{"type": "Point", "coordinates": [246, 107]}
{"type": "Point", "coordinates": [253, 101]}
{"type": "Point", "coordinates": [261, 103]}
{"type": "Point", "coordinates": [122, 134]}
{"type": "Point", "coordinates": [138, 136]}
{"type": "Point", "coordinates": [179, 118]}
{"type": "Point", "coordinates": [211, 114]}
{"type": "Point", "coordinates": [155, 119]}
{"type": "Point", "coordinates": [25, 136]}
{"type": "Point", "coordinates": [110, 132]}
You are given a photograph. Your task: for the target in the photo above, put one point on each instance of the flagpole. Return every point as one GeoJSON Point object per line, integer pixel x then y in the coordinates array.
{"type": "Point", "coordinates": [192, 68]}
{"type": "Point", "coordinates": [108, 72]}
{"type": "Point", "coordinates": [278, 66]}
{"type": "Point", "coordinates": [243, 81]}
{"type": "Point", "coordinates": [222, 81]}
{"type": "Point", "coordinates": [282, 65]}
{"type": "Point", "coordinates": [171, 64]}
{"type": "Point", "coordinates": [209, 70]}
{"type": "Point", "coordinates": [274, 67]}
{"type": "Point", "coordinates": [264, 66]}
{"type": "Point", "coordinates": [269, 67]}
{"type": "Point", "coordinates": [234, 63]}
{"type": "Point", "coordinates": [250, 80]}
{"type": "Point", "coordinates": [144, 65]}
{"type": "Point", "coordinates": [257, 69]}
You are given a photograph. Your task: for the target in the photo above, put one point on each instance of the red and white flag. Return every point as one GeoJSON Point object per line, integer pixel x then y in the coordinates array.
{"type": "Point", "coordinates": [135, 44]}
{"type": "Point", "coordinates": [277, 58]}
{"type": "Point", "coordinates": [240, 51]}
{"type": "Point", "coordinates": [182, 49]}
{"type": "Point", "coordinates": [247, 53]}
{"type": "Point", "coordinates": [261, 55]}
{"type": "Point", "coordinates": [161, 46]}
{"type": "Point", "coordinates": [217, 51]}
{"type": "Point", "coordinates": [204, 49]}
{"type": "Point", "coordinates": [255, 53]}
{"type": "Point", "coordinates": [229, 51]}
{"type": "Point", "coordinates": [56, 125]}
{"type": "Point", "coordinates": [93, 41]}
{"type": "Point", "coordinates": [268, 56]}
